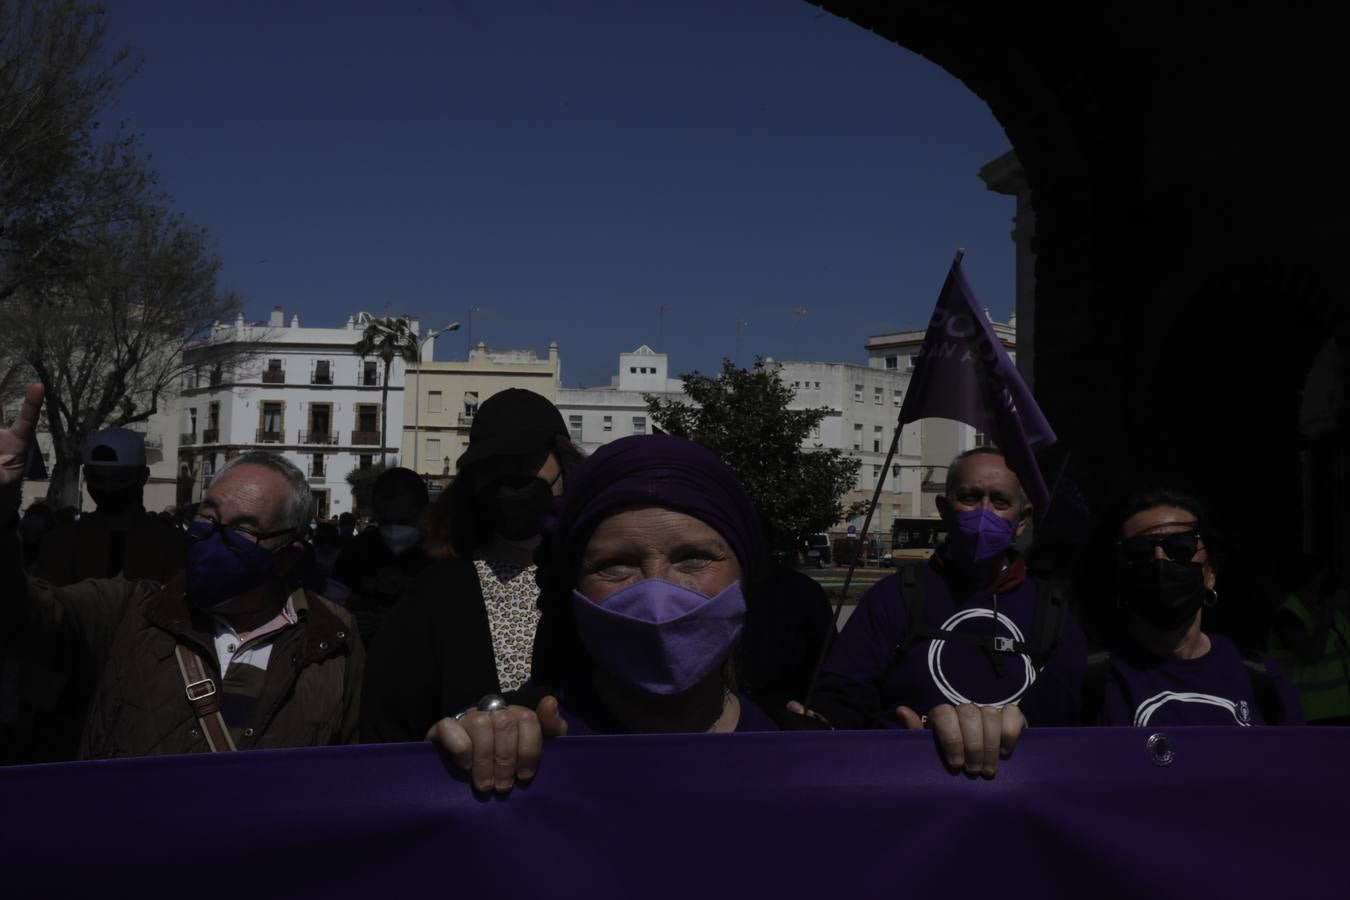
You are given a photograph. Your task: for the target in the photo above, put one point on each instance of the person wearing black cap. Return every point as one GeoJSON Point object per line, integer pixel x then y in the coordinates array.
{"type": "Point", "coordinates": [118, 537]}
{"type": "Point", "coordinates": [467, 628]}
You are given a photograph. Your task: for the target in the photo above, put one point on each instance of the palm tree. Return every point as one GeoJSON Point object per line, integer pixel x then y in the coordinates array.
{"type": "Point", "coordinates": [389, 338]}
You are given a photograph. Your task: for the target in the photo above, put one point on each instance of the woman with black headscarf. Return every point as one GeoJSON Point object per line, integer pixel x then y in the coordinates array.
{"type": "Point", "coordinates": [467, 628]}
{"type": "Point", "coordinates": [643, 602]}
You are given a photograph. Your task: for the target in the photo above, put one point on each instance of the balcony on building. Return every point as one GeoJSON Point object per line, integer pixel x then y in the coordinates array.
{"type": "Point", "coordinates": [187, 438]}
{"type": "Point", "coordinates": [317, 472]}
{"type": "Point", "coordinates": [323, 373]}
{"type": "Point", "coordinates": [211, 436]}
{"type": "Point", "coordinates": [268, 437]}
{"type": "Point", "coordinates": [324, 438]}
{"type": "Point", "coordinates": [466, 419]}
{"type": "Point", "coordinates": [365, 438]}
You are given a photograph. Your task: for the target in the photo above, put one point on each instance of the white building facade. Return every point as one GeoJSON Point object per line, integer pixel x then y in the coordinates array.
{"type": "Point", "coordinates": [936, 441]}
{"type": "Point", "coordinates": [596, 416]}
{"type": "Point", "coordinates": [443, 398]}
{"type": "Point", "coordinates": [862, 405]}
{"type": "Point", "coordinates": [301, 392]}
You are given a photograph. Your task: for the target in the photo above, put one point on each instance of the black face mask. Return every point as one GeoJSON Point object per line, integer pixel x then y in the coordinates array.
{"type": "Point", "coordinates": [114, 502]}
{"type": "Point", "coordinates": [1163, 593]}
{"type": "Point", "coordinates": [516, 506]}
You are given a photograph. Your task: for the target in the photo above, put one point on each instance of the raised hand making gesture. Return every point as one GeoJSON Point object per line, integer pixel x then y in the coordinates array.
{"type": "Point", "coordinates": [14, 443]}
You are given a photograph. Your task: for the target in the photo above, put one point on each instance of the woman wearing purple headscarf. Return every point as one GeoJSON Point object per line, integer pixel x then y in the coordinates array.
{"type": "Point", "coordinates": [643, 602]}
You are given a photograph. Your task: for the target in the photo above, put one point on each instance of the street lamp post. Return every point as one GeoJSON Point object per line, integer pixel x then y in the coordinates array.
{"type": "Point", "coordinates": [472, 310]}
{"type": "Point", "coordinates": [417, 389]}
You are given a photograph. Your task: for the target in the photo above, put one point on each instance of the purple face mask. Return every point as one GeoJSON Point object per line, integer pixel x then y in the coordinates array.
{"type": "Point", "coordinates": [222, 565]}
{"type": "Point", "coordinates": [659, 636]}
{"type": "Point", "coordinates": [978, 535]}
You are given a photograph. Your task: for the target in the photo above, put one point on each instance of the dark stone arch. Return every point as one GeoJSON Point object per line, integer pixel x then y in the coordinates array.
{"type": "Point", "coordinates": [1187, 197]}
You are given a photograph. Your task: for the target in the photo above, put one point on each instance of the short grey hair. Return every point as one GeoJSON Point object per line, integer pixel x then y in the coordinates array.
{"type": "Point", "coordinates": [950, 486]}
{"type": "Point", "coordinates": [301, 507]}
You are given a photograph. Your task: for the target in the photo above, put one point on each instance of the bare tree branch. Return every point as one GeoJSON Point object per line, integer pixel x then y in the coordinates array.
{"type": "Point", "coordinates": [58, 183]}
{"type": "Point", "coordinates": [109, 348]}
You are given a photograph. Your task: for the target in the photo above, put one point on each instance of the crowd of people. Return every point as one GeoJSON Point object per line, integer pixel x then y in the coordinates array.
{"type": "Point", "coordinates": [632, 591]}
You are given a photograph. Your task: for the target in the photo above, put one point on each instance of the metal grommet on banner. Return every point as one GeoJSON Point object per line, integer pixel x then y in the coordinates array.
{"type": "Point", "coordinates": [1161, 750]}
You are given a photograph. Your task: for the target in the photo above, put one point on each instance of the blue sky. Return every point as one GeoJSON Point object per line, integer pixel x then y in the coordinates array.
{"type": "Point", "coordinates": [569, 167]}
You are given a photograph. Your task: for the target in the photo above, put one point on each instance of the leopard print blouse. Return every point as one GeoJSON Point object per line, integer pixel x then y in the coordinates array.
{"type": "Point", "coordinates": [512, 600]}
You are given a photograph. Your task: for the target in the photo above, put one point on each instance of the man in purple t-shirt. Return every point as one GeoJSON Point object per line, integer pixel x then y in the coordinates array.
{"type": "Point", "coordinates": [968, 643]}
{"type": "Point", "coordinates": [1165, 669]}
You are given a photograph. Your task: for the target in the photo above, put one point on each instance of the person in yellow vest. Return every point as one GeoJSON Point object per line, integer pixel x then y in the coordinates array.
{"type": "Point", "coordinates": [1311, 640]}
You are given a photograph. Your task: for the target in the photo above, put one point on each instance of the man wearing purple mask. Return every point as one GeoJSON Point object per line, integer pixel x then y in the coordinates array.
{"type": "Point", "coordinates": [232, 654]}
{"type": "Point", "coordinates": [968, 644]}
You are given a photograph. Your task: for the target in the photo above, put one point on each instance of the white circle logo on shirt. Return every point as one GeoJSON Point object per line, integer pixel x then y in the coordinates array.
{"type": "Point", "coordinates": [955, 697]}
{"type": "Point", "coordinates": [1145, 712]}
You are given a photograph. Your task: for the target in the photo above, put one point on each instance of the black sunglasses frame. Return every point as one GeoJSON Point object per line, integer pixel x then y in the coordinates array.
{"type": "Point", "coordinates": [1139, 549]}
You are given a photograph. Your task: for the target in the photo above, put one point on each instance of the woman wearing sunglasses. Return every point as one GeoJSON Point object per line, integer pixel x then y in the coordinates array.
{"type": "Point", "coordinates": [1164, 668]}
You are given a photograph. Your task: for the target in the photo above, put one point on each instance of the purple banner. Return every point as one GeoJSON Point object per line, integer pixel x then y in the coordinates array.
{"type": "Point", "coordinates": [1075, 813]}
{"type": "Point", "coordinates": [963, 373]}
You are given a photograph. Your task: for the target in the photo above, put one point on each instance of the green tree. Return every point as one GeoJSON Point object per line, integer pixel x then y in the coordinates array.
{"type": "Point", "coordinates": [363, 487]}
{"type": "Point", "coordinates": [743, 415]}
{"type": "Point", "coordinates": [389, 338]}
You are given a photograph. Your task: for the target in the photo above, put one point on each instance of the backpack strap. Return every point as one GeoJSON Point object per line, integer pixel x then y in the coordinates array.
{"type": "Point", "coordinates": [1263, 689]}
{"type": "Point", "coordinates": [1047, 624]}
{"type": "Point", "coordinates": [912, 594]}
{"type": "Point", "coordinates": [1094, 686]}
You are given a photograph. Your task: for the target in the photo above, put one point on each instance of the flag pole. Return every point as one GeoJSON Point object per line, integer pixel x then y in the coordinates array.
{"type": "Point", "coordinates": [871, 510]}
{"type": "Point", "coordinates": [1054, 488]}
{"type": "Point", "coordinates": [848, 577]}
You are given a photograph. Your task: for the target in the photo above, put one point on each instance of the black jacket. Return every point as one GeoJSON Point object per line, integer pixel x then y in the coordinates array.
{"type": "Point", "coordinates": [434, 656]}
{"type": "Point", "coordinates": [378, 578]}
{"type": "Point", "coordinates": [788, 621]}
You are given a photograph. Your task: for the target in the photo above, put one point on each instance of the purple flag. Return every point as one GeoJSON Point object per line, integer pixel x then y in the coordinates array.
{"type": "Point", "coordinates": [962, 372]}
{"type": "Point", "coordinates": [1085, 812]}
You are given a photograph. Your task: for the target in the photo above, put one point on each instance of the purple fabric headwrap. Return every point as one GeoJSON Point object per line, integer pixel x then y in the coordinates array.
{"type": "Point", "coordinates": [658, 470]}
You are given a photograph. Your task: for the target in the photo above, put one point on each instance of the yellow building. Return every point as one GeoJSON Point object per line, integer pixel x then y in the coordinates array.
{"type": "Point", "coordinates": [441, 398]}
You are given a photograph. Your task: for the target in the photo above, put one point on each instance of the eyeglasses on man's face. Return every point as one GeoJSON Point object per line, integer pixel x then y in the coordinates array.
{"type": "Point", "coordinates": [236, 537]}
